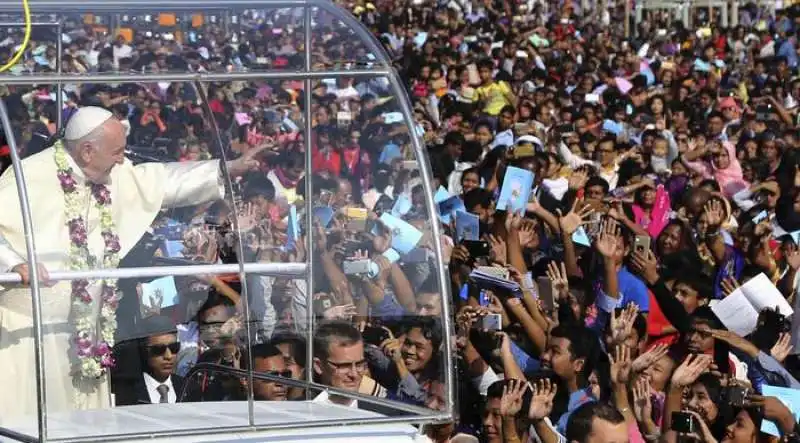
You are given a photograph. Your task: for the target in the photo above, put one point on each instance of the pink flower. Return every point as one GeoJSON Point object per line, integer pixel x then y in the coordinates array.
{"type": "Point", "coordinates": [107, 361]}
{"type": "Point", "coordinates": [102, 349]}
{"type": "Point", "coordinates": [101, 194]}
{"type": "Point", "coordinates": [67, 181]}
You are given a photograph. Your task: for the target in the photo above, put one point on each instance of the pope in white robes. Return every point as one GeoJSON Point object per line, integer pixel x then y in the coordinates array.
{"type": "Point", "coordinates": [95, 144]}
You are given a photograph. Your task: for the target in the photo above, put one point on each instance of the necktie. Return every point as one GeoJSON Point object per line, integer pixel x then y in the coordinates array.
{"type": "Point", "coordinates": [162, 391]}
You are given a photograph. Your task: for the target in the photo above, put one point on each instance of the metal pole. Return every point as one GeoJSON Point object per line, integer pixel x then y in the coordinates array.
{"type": "Point", "coordinates": [33, 264]}
{"type": "Point", "coordinates": [272, 269]}
{"type": "Point", "coordinates": [201, 92]}
{"type": "Point", "coordinates": [59, 93]}
{"type": "Point", "coordinates": [430, 205]}
{"type": "Point", "coordinates": [627, 18]}
{"type": "Point", "coordinates": [307, 134]}
{"type": "Point", "coordinates": [193, 76]}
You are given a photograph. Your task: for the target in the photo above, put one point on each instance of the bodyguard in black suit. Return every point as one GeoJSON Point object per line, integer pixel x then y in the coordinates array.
{"type": "Point", "coordinates": [157, 347]}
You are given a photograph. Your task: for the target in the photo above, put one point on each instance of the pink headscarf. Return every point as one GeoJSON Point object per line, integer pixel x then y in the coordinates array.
{"type": "Point", "coordinates": [730, 179]}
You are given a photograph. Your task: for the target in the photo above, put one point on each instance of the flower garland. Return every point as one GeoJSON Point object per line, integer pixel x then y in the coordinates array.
{"type": "Point", "coordinates": [93, 350]}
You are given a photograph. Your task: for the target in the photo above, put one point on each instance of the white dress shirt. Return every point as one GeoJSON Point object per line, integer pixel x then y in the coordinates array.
{"type": "Point", "coordinates": [324, 398]}
{"type": "Point", "coordinates": [152, 389]}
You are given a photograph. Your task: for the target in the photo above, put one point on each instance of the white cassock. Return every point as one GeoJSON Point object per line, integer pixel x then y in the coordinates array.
{"type": "Point", "coordinates": [138, 194]}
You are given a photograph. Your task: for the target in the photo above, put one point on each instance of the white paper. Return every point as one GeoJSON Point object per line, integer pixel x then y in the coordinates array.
{"type": "Point", "coordinates": [736, 313]}
{"type": "Point", "coordinates": [763, 294]}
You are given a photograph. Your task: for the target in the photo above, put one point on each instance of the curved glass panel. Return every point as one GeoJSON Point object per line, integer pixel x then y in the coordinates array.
{"type": "Point", "coordinates": [164, 40]}
{"type": "Point", "coordinates": [373, 247]}
{"type": "Point", "coordinates": [336, 44]}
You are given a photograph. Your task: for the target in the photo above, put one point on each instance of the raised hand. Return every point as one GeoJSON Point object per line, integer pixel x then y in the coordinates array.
{"type": "Point", "coordinates": [542, 401]}
{"type": "Point", "coordinates": [607, 242]}
{"type": "Point", "coordinates": [715, 213]}
{"type": "Point", "coordinates": [736, 341]}
{"type": "Point", "coordinates": [622, 325]}
{"type": "Point", "coordinates": [340, 312]}
{"type": "Point", "coordinates": [527, 233]}
{"type": "Point", "coordinates": [499, 252]}
{"type": "Point", "coordinates": [729, 285]}
{"type": "Point", "coordinates": [642, 406]}
{"type": "Point", "coordinates": [649, 358]}
{"type": "Point", "coordinates": [558, 277]}
{"type": "Point", "coordinates": [247, 217]}
{"type": "Point", "coordinates": [381, 243]}
{"type": "Point", "coordinates": [621, 365]}
{"type": "Point", "coordinates": [513, 221]}
{"type": "Point", "coordinates": [646, 265]}
{"type": "Point", "coordinates": [690, 369]}
{"type": "Point", "coordinates": [511, 402]}
{"type": "Point", "coordinates": [782, 348]}
{"type": "Point", "coordinates": [578, 179]}
{"type": "Point", "coordinates": [793, 258]}
{"type": "Point", "coordinates": [575, 218]}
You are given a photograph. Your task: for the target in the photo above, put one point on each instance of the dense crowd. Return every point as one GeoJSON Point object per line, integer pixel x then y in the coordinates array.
{"type": "Point", "coordinates": [621, 216]}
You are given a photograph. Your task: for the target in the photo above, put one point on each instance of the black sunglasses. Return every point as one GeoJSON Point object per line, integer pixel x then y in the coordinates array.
{"type": "Point", "coordinates": [285, 374]}
{"type": "Point", "coordinates": [158, 350]}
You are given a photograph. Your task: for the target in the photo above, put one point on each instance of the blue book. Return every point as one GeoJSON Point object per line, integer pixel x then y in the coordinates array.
{"type": "Point", "coordinates": [293, 230]}
{"type": "Point", "coordinates": [580, 237]}
{"type": "Point", "coordinates": [389, 153]}
{"type": "Point", "coordinates": [789, 397]}
{"type": "Point", "coordinates": [467, 227]}
{"type": "Point", "coordinates": [401, 206]}
{"type": "Point", "coordinates": [392, 255]}
{"type": "Point", "coordinates": [612, 127]}
{"type": "Point", "coordinates": [760, 217]}
{"type": "Point", "coordinates": [441, 195]}
{"type": "Point", "coordinates": [324, 214]}
{"type": "Point", "coordinates": [516, 191]}
{"type": "Point", "coordinates": [449, 207]}
{"type": "Point", "coordinates": [173, 248]}
{"type": "Point", "coordinates": [404, 236]}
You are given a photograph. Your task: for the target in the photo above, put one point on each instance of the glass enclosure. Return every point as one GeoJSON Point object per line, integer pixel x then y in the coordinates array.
{"type": "Point", "coordinates": [263, 257]}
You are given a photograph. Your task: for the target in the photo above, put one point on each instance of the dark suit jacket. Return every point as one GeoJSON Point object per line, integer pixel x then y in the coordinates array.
{"type": "Point", "coordinates": [134, 392]}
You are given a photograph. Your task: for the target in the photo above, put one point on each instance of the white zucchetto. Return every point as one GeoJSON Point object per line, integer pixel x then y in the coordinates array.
{"type": "Point", "coordinates": [84, 121]}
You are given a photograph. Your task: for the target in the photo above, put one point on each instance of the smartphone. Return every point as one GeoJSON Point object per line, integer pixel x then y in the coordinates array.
{"type": "Point", "coordinates": [524, 151]}
{"type": "Point", "coordinates": [565, 128]}
{"type": "Point", "coordinates": [322, 303]}
{"type": "Point", "coordinates": [641, 243]}
{"type": "Point", "coordinates": [416, 255]}
{"type": "Point", "coordinates": [477, 248]}
{"type": "Point", "coordinates": [374, 335]}
{"type": "Point", "coordinates": [356, 213]}
{"type": "Point", "coordinates": [682, 423]}
{"type": "Point", "coordinates": [356, 267]}
{"type": "Point", "coordinates": [492, 322]}
{"type": "Point", "coordinates": [545, 287]}
{"type": "Point", "coordinates": [736, 395]}
{"type": "Point", "coordinates": [351, 247]}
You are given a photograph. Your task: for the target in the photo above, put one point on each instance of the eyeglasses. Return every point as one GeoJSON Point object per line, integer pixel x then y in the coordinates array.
{"type": "Point", "coordinates": [159, 350]}
{"type": "Point", "coordinates": [343, 367]}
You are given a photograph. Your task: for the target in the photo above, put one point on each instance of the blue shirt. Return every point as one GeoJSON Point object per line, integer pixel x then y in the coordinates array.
{"type": "Point", "coordinates": [631, 290]}
{"type": "Point", "coordinates": [576, 399]}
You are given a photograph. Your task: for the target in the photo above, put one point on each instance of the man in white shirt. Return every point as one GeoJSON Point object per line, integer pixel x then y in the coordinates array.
{"type": "Point", "coordinates": [339, 360]}
{"type": "Point", "coordinates": [159, 355]}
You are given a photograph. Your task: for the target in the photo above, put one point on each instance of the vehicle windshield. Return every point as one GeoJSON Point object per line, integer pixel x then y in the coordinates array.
{"type": "Point", "coordinates": [229, 210]}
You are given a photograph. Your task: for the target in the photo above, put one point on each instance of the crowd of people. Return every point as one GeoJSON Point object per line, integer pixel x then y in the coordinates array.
{"type": "Point", "coordinates": [621, 215]}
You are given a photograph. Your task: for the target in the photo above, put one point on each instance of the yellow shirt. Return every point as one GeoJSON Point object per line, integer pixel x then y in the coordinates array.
{"type": "Point", "coordinates": [494, 96]}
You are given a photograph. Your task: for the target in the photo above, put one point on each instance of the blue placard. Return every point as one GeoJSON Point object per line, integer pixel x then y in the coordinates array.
{"type": "Point", "coordinates": [516, 191]}
{"type": "Point", "coordinates": [467, 226]}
